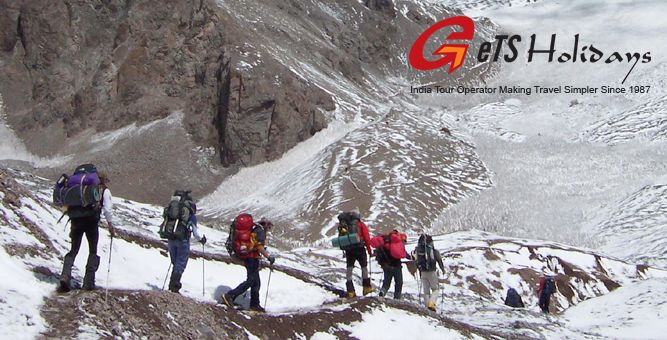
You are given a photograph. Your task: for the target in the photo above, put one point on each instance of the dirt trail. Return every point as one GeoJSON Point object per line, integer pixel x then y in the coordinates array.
{"type": "Point", "coordinates": [164, 315]}
{"type": "Point", "coordinates": [134, 314]}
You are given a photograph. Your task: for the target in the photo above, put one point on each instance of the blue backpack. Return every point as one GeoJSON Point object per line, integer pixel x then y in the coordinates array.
{"type": "Point", "coordinates": [549, 285]}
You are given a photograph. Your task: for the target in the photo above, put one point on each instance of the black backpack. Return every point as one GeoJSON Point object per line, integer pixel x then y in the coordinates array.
{"type": "Point", "coordinates": [426, 253]}
{"type": "Point", "coordinates": [176, 216]}
{"type": "Point", "coordinates": [347, 224]}
{"type": "Point", "coordinates": [381, 254]}
{"type": "Point", "coordinates": [231, 236]}
{"type": "Point", "coordinates": [513, 299]}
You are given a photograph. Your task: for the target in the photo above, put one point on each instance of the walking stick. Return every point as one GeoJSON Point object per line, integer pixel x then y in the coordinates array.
{"type": "Point", "coordinates": [268, 284]}
{"type": "Point", "coordinates": [166, 276]}
{"type": "Point", "coordinates": [419, 286]}
{"type": "Point", "coordinates": [370, 270]}
{"type": "Point", "coordinates": [442, 291]}
{"type": "Point", "coordinates": [106, 294]}
{"type": "Point", "coordinates": [202, 268]}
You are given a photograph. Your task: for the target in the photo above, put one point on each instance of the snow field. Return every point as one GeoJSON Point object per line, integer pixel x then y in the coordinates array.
{"type": "Point", "coordinates": [635, 311]}
{"type": "Point", "coordinates": [21, 294]}
{"type": "Point", "coordinates": [133, 266]}
{"type": "Point", "coordinates": [391, 323]}
{"type": "Point", "coordinates": [565, 167]}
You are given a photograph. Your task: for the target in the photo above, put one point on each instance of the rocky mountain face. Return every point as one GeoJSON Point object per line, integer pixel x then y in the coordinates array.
{"type": "Point", "coordinates": [244, 79]}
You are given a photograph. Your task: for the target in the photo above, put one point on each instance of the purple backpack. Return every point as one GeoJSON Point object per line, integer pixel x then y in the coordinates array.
{"type": "Point", "coordinates": [81, 189]}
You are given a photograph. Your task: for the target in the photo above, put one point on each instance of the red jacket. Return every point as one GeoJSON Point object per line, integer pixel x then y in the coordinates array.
{"type": "Point", "coordinates": [363, 230]}
{"type": "Point", "coordinates": [541, 287]}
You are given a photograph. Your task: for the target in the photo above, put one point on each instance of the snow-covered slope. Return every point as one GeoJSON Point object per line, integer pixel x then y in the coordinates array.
{"type": "Point", "coordinates": [567, 167]}
{"type": "Point", "coordinates": [33, 246]}
{"type": "Point", "coordinates": [381, 153]}
{"type": "Point", "coordinates": [581, 170]}
{"type": "Point", "coordinates": [637, 227]}
{"type": "Point", "coordinates": [374, 168]}
{"type": "Point", "coordinates": [648, 123]}
{"type": "Point", "coordinates": [631, 312]}
{"type": "Point", "coordinates": [479, 268]}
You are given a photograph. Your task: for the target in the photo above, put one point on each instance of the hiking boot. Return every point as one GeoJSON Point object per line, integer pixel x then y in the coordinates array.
{"type": "Point", "coordinates": [350, 289]}
{"type": "Point", "coordinates": [63, 287]}
{"type": "Point", "coordinates": [91, 267]}
{"type": "Point", "coordinates": [381, 293]}
{"type": "Point", "coordinates": [367, 287]}
{"type": "Point", "coordinates": [228, 300]}
{"type": "Point", "coordinates": [258, 308]}
{"type": "Point", "coordinates": [175, 282]}
{"type": "Point", "coordinates": [66, 274]}
{"type": "Point", "coordinates": [431, 306]}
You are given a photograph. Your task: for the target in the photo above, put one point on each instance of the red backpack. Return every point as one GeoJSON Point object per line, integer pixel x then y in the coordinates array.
{"type": "Point", "coordinates": [389, 245]}
{"type": "Point", "coordinates": [396, 246]}
{"type": "Point", "coordinates": [240, 242]}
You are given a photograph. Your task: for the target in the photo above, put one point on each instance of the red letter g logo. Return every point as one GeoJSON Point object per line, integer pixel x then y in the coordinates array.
{"type": "Point", "coordinates": [452, 54]}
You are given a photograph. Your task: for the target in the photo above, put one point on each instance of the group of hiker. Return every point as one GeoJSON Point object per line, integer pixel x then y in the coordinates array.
{"type": "Point", "coordinates": [389, 251]}
{"type": "Point", "coordinates": [85, 198]}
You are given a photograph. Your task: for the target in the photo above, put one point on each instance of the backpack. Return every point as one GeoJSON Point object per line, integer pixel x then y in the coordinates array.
{"type": "Point", "coordinates": [426, 253]}
{"type": "Point", "coordinates": [176, 216]}
{"type": "Point", "coordinates": [240, 241]}
{"type": "Point", "coordinates": [80, 193]}
{"type": "Point", "coordinates": [396, 246]}
{"type": "Point", "coordinates": [549, 285]}
{"type": "Point", "coordinates": [513, 299]}
{"type": "Point", "coordinates": [347, 228]}
{"type": "Point", "coordinates": [380, 243]}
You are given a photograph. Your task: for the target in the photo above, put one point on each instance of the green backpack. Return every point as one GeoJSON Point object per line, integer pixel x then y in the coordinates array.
{"type": "Point", "coordinates": [176, 216]}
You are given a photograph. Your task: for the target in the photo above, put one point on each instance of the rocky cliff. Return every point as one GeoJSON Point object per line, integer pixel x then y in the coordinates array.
{"type": "Point", "coordinates": [242, 81]}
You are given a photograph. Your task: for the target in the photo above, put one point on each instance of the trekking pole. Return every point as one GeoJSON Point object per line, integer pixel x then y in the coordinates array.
{"type": "Point", "coordinates": [106, 294]}
{"type": "Point", "coordinates": [202, 268]}
{"type": "Point", "coordinates": [268, 284]}
{"type": "Point", "coordinates": [419, 286]}
{"type": "Point", "coordinates": [370, 270]}
{"type": "Point", "coordinates": [442, 291]}
{"type": "Point", "coordinates": [166, 276]}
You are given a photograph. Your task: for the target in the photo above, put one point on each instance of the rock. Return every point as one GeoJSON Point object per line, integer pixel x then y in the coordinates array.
{"type": "Point", "coordinates": [384, 6]}
{"type": "Point", "coordinates": [247, 90]}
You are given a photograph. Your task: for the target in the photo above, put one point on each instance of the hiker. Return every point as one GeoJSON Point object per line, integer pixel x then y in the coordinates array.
{"type": "Point", "coordinates": [249, 243]}
{"type": "Point", "coordinates": [180, 223]}
{"type": "Point", "coordinates": [546, 288]}
{"type": "Point", "coordinates": [85, 220]}
{"type": "Point", "coordinates": [513, 299]}
{"type": "Point", "coordinates": [427, 257]}
{"type": "Point", "coordinates": [390, 249]}
{"type": "Point", "coordinates": [356, 244]}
